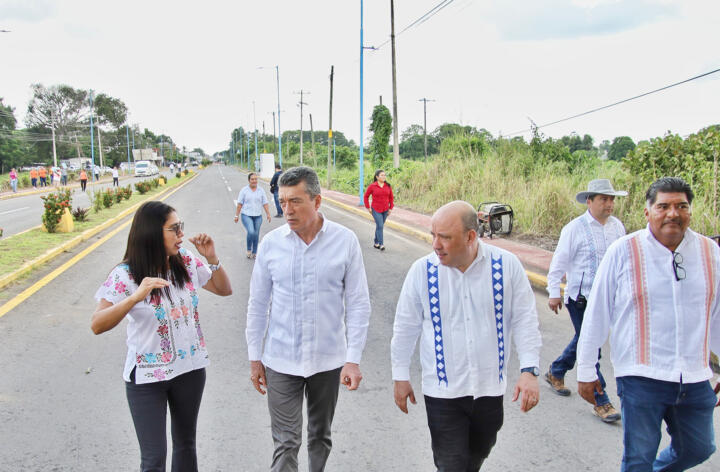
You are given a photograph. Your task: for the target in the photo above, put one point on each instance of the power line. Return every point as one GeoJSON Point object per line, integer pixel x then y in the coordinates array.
{"type": "Point", "coordinates": [422, 19]}
{"type": "Point", "coordinates": [616, 103]}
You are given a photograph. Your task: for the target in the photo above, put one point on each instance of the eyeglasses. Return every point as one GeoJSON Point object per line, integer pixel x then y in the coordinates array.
{"type": "Point", "coordinates": [679, 270]}
{"type": "Point", "coordinates": [178, 228]}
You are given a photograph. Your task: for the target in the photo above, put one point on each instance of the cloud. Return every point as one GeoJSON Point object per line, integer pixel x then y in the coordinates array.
{"type": "Point", "coordinates": [524, 20]}
{"type": "Point", "coordinates": [25, 10]}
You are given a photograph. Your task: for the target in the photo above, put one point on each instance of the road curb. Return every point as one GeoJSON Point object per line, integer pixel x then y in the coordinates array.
{"type": "Point", "coordinates": [82, 237]}
{"type": "Point", "coordinates": [537, 280]}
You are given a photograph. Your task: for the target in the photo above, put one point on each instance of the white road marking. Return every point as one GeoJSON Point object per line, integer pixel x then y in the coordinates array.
{"type": "Point", "coordinates": [13, 211]}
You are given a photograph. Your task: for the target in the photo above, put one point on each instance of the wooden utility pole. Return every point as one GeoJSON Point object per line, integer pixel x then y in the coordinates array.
{"type": "Point", "coordinates": [425, 100]}
{"type": "Point", "coordinates": [330, 136]}
{"type": "Point", "coordinates": [396, 145]}
{"type": "Point", "coordinates": [301, 122]}
{"type": "Point", "coordinates": [312, 141]}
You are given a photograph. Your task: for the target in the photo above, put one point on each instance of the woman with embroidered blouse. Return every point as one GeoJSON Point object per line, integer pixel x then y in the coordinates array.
{"type": "Point", "coordinates": [166, 358]}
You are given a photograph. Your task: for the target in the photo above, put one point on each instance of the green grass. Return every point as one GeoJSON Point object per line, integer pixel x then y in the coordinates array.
{"type": "Point", "coordinates": [19, 249]}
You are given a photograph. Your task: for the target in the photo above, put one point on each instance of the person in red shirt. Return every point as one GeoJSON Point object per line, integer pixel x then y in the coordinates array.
{"type": "Point", "coordinates": [382, 204]}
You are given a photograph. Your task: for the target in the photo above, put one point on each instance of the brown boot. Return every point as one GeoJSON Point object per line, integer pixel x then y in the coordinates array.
{"type": "Point", "coordinates": [558, 385]}
{"type": "Point", "coordinates": [607, 413]}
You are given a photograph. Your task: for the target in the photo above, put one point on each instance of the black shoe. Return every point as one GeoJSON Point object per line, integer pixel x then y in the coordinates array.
{"type": "Point", "coordinates": [382, 248]}
{"type": "Point", "coordinates": [376, 246]}
{"type": "Point", "coordinates": [278, 216]}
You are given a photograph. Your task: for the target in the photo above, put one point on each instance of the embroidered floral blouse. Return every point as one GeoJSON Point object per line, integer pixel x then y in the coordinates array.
{"type": "Point", "coordinates": [164, 337]}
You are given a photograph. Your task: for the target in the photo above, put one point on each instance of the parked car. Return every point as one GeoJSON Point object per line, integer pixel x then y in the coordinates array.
{"type": "Point", "coordinates": [145, 168]}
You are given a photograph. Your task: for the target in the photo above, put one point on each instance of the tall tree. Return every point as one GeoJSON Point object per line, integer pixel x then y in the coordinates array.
{"type": "Point", "coordinates": [620, 147]}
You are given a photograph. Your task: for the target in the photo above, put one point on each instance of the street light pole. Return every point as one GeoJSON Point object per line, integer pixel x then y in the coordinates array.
{"type": "Point", "coordinates": [361, 156]}
{"type": "Point", "coordinates": [92, 136]}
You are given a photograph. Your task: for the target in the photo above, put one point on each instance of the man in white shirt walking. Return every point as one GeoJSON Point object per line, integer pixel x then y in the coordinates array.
{"type": "Point", "coordinates": [315, 329]}
{"type": "Point", "coordinates": [656, 293]}
{"type": "Point", "coordinates": [466, 300]}
{"type": "Point", "coordinates": [582, 245]}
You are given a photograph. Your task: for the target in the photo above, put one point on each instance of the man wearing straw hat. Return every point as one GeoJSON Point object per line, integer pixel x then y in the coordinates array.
{"type": "Point", "coordinates": [581, 247]}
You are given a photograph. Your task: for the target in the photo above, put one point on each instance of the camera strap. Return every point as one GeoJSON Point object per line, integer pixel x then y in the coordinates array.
{"type": "Point", "coordinates": [580, 287]}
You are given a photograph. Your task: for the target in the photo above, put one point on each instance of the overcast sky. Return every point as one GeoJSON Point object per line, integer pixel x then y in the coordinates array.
{"type": "Point", "coordinates": [189, 69]}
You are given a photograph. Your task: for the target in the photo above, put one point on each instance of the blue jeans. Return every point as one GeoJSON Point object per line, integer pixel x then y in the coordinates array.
{"type": "Point", "coordinates": [379, 222]}
{"type": "Point", "coordinates": [463, 430]}
{"type": "Point", "coordinates": [13, 184]}
{"type": "Point", "coordinates": [567, 359]}
{"type": "Point", "coordinates": [277, 203]}
{"type": "Point", "coordinates": [688, 413]}
{"type": "Point", "coordinates": [252, 225]}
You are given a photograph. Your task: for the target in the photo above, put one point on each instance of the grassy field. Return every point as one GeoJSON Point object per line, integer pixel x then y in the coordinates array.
{"type": "Point", "coordinates": [21, 248]}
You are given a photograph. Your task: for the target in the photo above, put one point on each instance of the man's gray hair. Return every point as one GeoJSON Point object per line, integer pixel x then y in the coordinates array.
{"type": "Point", "coordinates": [295, 175]}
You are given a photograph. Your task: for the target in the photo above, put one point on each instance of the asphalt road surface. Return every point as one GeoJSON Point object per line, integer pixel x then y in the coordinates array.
{"type": "Point", "coordinates": [62, 399]}
{"type": "Point", "coordinates": [21, 213]}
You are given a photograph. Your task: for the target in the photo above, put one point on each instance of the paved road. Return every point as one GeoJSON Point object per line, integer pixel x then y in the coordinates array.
{"type": "Point", "coordinates": [21, 213]}
{"type": "Point", "coordinates": [57, 417]}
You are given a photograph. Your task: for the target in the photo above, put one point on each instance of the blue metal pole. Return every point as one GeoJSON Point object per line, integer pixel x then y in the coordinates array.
{"type": "Point", "coordinates": [248, 151]}
{"type": "Point", "coordinates": [92, 136]}
{"type": "Point", "coordinates": [362, 157]}
{"type": "Point", "coordinates": [277, 72]}
{"type": "Point", "coordinates": [127, 138]}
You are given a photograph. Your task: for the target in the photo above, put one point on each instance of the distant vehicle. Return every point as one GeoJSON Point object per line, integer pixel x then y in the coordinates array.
{"type": "Point", "coordinates": [143, 168]}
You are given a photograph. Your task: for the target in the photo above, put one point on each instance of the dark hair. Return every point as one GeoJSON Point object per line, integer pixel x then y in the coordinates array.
{"type": "Point", "coordinates": [250, 175]}
{"type": "Point", "coordinates": [145, 253]}
{"type": "Point", "coordinates": [668, 185]}
{"type": "Point", "coordinates": [377, 172]}
{"type": "Point", "coordinates": [278, 166]}
{"type": "Point", "coordinates": [295, 175]}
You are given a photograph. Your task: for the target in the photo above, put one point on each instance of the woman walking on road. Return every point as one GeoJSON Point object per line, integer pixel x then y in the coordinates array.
{"type": "Point", "coordinates": [382, 204]}
{"type": "Point", "coordinates": [250, 203]}
{"type": "Point", "coordinates": [166, 359]}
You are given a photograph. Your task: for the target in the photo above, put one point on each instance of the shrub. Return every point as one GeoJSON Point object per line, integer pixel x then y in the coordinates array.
{"type": "Point", "coordinates": [155, 183]}
{"type": "Point", "coordinates": [55, 204]}
{"type": "Point", "coordinates": [25, 181]}
{"type": "Point", "coordinates": [108, 198]}
{"type": "Point", "coordinates": [80, 214]}
{"type": "Point", "coordinates": [178, 175]}
{"type": "Point", "coordinates": [127, 192]}
{"type": "Point", "coordinates": [142, 187]}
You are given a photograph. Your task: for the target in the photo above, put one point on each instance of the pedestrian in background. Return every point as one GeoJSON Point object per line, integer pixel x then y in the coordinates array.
{"type": "Point", "coordinates": [381, 193]}
{"type": "Point", "coordinates": [56, 177]}
{"type": "Point", "coordinates": [96, 171]}
{"type": "Point", "coordinates": [167, 356]}
{"type": "Point", "coordinates": [64, 175]}
{"type": "Point", "coordinates": [42, 172]}
{"type": "Point", "coordinates": [34, 177]}
{"type": "Point", "coordinates": [466, 301]}
{"type": "Point", "coordinates": [115, 176]}
{"type": "Point", "coordinates": [582, 245]}
{"type": "Point", "coordinates": [250, 203]}
{"type": "Point", "coordinates": [274, 189]}
{"type": "Point", "coordinates": [13, 180]}
{"type": "Point", "coordinates": [311, 337]}
{"type": "Point", "coordinates": [83, 179]}
{"type": "Point", "coordinates": [656, 295]}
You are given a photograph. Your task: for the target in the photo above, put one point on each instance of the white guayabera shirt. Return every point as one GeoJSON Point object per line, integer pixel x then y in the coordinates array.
{"type": "Point", "coordinates": [582, 245]}
{"type": "Point", "coordinates": [467, 322]}
{"type": "Point", "coordinates": [309, 303]}
{"type": "Point", "coordinates": [164, 337]}
{"type": "Point", "coordinates": [660, 327]}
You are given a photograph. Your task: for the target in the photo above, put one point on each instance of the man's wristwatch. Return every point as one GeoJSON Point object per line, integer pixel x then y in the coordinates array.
{"type": "Point", "coordinates": [214, 267]}
{"type": "Point", "coordinates": [533, 370]}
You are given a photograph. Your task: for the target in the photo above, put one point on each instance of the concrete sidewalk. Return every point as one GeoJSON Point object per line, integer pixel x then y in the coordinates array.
{"type": "Point", "coordinates": [535, 260]}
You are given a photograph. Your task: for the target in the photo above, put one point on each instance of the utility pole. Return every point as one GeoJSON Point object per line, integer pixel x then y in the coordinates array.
{"type": "Point", "coordinates": [425, 100]}
{"type": "Point", "coordinates": [256, 130]}
{"type": "Point", "coordinates": [273, 113]}
{"type": "Point", "coordinates": [396, 145]}
{"type": "Point", "coordinates": [263, 136]}
{"type": "Point", "coordinates": [312, 141]}
{"type": "Point", "coordinates": [330, 136]}
{"type": "Point", "coordinates": [92, 138]}
{"type": "Point", "coordinates": [52, 120]}
{"type": "Point", "coordinates": [301, 123]}
{"type": "Point", "coordinates": [100, 147]}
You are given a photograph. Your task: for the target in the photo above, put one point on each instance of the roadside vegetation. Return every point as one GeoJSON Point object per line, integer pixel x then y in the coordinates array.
{"type": "Point", "coordinates": [19, 249]}
{"type": "Point", "coordinates": [539, 179]}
